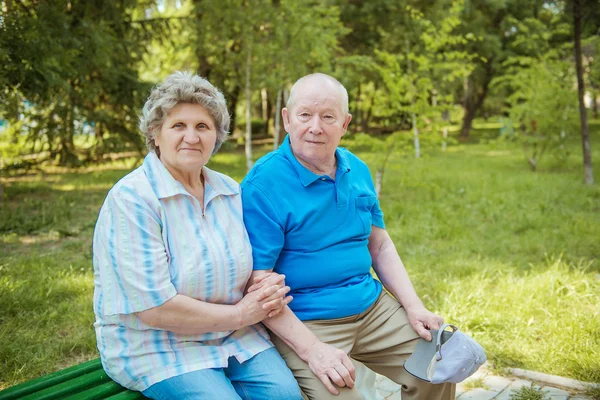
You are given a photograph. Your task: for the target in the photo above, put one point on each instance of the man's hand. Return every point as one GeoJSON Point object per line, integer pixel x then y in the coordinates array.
{"type": "Point", "coordinates": [266, 280]}
{"type": "Point", "coordinates": [330, 364]}
{"type": "Point", "coordinates": [421, 320]}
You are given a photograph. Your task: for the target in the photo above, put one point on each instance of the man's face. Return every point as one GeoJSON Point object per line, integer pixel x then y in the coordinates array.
{"type": "Point", "coordinates": [316, 122]}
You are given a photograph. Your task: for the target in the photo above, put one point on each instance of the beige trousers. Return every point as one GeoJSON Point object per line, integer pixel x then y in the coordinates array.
{"type": "Point", "coordinates": [381, 338]}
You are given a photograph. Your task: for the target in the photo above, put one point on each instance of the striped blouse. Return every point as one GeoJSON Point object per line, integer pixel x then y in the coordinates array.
{"type": "Point", "coordinates": [151, 242]}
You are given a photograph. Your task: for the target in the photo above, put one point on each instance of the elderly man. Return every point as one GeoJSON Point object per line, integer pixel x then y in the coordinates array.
{"type": "Point", "coordinates": [312, 214]}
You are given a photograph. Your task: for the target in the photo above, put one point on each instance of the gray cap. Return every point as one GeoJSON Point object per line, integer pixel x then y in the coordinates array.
{"type": "Point", "coordinates": [451, 356]}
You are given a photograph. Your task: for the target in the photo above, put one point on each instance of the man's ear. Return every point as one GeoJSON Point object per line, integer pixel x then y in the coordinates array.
{"type": "Point", "coordinates": [347, 122]}
{"type": "Point", "coordinates": [286, 119]}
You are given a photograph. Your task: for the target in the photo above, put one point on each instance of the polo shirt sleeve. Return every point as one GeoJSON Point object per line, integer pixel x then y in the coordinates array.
{"type": "Point", "coordinates": [264, 226]}
{"type": "Point", "coordinates": [377, 215]}
{"type": "Point", "coordinates": [130, 258]}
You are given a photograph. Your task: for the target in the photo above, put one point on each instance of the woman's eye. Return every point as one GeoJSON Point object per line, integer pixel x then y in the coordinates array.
{"type": "Point", "coordinates": [202, 126]}
{"type": "Point", "coordinates": [178, 125]}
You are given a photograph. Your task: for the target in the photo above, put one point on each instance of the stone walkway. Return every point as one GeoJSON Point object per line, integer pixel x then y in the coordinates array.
{"type": "Point", "coordinates": [483, 386]}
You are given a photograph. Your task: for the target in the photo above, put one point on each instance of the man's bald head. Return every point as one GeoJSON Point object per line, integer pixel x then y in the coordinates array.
{"type": "Point", "coordinates": [323, 81]}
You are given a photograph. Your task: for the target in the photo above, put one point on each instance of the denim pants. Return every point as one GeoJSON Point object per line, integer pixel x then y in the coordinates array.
{"type": "Point", "coordinates": [264, 376]}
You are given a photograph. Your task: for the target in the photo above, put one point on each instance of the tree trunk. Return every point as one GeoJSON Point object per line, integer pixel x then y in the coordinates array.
{"type": "Point", "coordinates": [357, 112]}
{"type": "Point", "coordinates": [277, 119]}
{"type": "Point", "coordinates": [472, 101]}
{"type": "Point", "coordinates": [416, 136]}
{"type": "Point", "coordinates": [264, 97]}
{"type": "Point", "coordinates": [585, 134]}
{"type": "Point", "coordinates": [248, 142]}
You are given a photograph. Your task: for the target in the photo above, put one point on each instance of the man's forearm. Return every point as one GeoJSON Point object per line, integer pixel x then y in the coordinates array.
{"type": "Point", "coordinates": [392, 273]}
{"type": "Point", "coordinates": [292, 331]}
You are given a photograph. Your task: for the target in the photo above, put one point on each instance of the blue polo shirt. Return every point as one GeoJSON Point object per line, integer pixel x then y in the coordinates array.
{"type": "Point", "coordinates": [314, 230]}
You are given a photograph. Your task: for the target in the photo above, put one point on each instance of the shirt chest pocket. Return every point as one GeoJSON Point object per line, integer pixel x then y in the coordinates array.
{"type": "Point", "coordinates": [364, 205]}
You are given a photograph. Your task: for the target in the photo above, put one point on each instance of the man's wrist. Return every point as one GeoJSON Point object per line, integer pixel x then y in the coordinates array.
{"type": "Point", "coordinates": [305, 349]}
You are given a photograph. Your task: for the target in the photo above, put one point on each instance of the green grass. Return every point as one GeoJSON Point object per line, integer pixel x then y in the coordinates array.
{"type": "Point", "coordinates": [528, 393]}
{"type": "Point", "coordinates": [508, 255]}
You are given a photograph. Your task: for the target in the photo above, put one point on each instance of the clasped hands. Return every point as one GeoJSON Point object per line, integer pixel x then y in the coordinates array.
{"type": "Point", "coordinates": [264, 299]}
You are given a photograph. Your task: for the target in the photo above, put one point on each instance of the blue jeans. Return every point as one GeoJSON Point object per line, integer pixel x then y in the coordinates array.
{"type": "Point", "coordinates": [264, 376]}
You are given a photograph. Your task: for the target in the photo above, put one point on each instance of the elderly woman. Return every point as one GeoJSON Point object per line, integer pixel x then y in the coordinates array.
{"type": "Point", "coordinates": [172, 259]}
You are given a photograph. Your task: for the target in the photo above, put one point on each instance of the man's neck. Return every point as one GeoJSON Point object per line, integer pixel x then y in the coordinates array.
{"type": "Point", "coordinates": [323, 168]}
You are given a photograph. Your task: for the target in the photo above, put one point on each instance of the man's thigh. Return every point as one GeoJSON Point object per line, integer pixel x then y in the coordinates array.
{"type": "Point", "coordinates": [386, 339]}
{"type": "Point", "coordinates": [202, 384]}
{"type": "Point", "coordinates": [264, 376]}
{"type": "Point", "coordinates": [339, 333]}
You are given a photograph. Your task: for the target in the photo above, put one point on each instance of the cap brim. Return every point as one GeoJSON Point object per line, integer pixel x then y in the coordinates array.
{"type": "Point", "coordinates": [418, 363]}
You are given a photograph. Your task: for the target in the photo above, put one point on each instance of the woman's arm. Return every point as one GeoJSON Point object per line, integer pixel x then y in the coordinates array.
{"type": "Point", "coordinates": [185, 315]}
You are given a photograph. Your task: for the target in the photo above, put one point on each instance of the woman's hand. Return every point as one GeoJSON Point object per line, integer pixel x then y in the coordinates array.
{"type": "Point", "coordinates": [271, 278]}
{"type": "Point", "coordinates": [263, 300]}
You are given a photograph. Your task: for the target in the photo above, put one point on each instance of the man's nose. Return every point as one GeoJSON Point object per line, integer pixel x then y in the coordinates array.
{"type": "Point", "coordinates": [315, 125]}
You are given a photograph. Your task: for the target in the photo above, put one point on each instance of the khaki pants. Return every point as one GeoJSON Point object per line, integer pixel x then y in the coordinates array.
{"type": "Point", "coordinates": [381, 338]}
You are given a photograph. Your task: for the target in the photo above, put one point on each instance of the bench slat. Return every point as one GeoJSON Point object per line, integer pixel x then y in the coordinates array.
{"type": "Point", "coordinates": [39, 384]}
{"type": "Point", "coordinates": [128, 395]}
{"type": "Point", "coordinates": [99, 392]}
{"type": "Point", "coordinates": [70, 387]}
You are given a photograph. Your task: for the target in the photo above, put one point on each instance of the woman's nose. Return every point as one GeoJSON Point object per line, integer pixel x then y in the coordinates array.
{"type": "Point", "coordinates": [191, 136]}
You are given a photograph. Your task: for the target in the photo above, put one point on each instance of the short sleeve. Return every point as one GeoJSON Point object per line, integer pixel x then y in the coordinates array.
{"type": "Point", "coordinates": [264, 226]}
{"type": "Point", "coordinates": [130, 260]}
{"type": "Point", "coordinates": [377, 215]}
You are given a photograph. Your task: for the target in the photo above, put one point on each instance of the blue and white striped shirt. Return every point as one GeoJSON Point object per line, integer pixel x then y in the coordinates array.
{"type": "Point", "coordinates": [152, 242]}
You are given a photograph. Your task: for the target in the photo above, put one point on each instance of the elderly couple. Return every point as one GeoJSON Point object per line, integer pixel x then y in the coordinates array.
{"type": "Point", "coordinates": [194, 277]}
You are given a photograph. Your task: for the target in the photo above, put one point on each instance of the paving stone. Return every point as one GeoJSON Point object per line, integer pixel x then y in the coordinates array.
{"type": "Point", "coordinates": [514, 385]}
{"type": "Point", "coordinates": [479, 394]}
{"type": "Point", "coordinates": [555, 393]}
{"type": "Point", "coordinates": [496, 383]}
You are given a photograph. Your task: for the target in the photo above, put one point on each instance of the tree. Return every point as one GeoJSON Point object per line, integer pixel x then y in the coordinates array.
{"type": "Point", "coordinates": [497, 23]}
{"type": "Point", "coordinates": [578, 8]}
{"type": "Point", "coordinates": [71, 67]}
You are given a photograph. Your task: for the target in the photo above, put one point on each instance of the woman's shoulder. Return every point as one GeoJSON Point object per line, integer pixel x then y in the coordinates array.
{"type": "Point", "coordinates": [133, 187]}
{"type": "Point", "coordinates": [223, 183]}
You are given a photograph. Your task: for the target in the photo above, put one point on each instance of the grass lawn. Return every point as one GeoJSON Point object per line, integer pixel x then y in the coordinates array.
{"type": "Point", "coordinates": [508, 255]}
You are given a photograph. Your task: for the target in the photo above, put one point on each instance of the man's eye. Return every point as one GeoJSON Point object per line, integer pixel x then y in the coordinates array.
{"type": "Point", "coordinates": [304, 115]}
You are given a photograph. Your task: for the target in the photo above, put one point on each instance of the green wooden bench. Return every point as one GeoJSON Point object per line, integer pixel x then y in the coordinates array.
{"type": "Point", "coordinates": [85, 381]}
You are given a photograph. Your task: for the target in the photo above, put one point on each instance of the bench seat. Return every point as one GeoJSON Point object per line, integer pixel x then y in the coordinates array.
{"type": "Point", "coordinates": [86, 381]}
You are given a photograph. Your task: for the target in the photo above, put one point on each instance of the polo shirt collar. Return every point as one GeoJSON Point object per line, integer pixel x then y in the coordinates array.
{"type": "Point", "coordinates": [164, 185]}
{"type": "Point", "coordinates": [307, 176]}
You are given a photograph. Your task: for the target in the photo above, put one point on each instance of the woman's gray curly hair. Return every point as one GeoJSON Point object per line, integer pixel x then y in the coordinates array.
{"type": "Point", "coordinates": [183, 87]}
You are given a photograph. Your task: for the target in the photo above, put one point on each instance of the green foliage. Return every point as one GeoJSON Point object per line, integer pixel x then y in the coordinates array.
{"type": "Point", "coordinates": [532, 392]}
{"type": "Point", "coordinates": [543, 107]}
{"type": "Point", "coordinates": [70, 65]}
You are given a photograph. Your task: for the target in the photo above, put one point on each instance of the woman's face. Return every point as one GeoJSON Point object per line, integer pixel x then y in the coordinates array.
{"type": "Point", "coordinates": [187, 138]}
